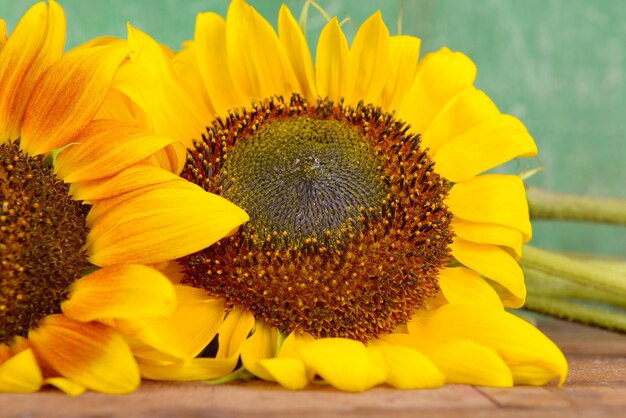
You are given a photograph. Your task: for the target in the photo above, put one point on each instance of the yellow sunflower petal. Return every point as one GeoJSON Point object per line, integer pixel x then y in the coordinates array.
{"type": "Point", "coordinates": [233, 332]}
{"type": "Point", "coordinates": [494, 263]}
{"type": "Point", "coordinates": [174, 109]}
{"type": "Point", "coordinates": [492, 142]}
{"type": "Point", "coordinates": [210, 47]}
{"type": "Point", "coordinates": [346, 364]}
{"type": "Point", "coordinates": [464, 287]}
{"type": "Point", "coordinates": [369, 60]}
{"type": "Point", "coordinates": [66, 385]}
{"type": "Point", "coordinates": [440, 76]}
{"type": "Point", "coordinates": [126, 181]}
{"type": "Point", "coordinates": [90, 354]}
{"type": "Point", "coordinates": [3, 33]}
{"type": "Point", "coordinates": [516, 341]}
{"type": "Point", "coordinates": [409, 369]}
{"type": "Point", "coordinates": [467, 109]}
{"type": "Point", "coordinates": [194, 369]}
{"type": "Point", "coordinates": [68, 96]}
{"type": "Point", "coordinates": [104, 148]}
{"type": "Point", "coordinates": [186, 333]}
{"type": "Point", "coordinates": [489, 233]}
{"type": "Point", "coordinates": [123, 291]}
{"type": "Point", "coordinates": [332, 62]}
{"type": "Point", "coordinates": [466, 362]}
{"type": "Point", "coordinates": [289, 372]}
{"type": "Point", "coordinates": [36, 43]}
{"type": "Point", "coordinates": [162, 224]}
{"type": "Point", "coordinates": [403, 57]}
{"type": "Point", "coordinates": [256, 55]}
{"type": "Point", "coordinates": [261, 345]}
{"type": "Point", "coordinates": [492, 198]}
{"type": "Point", "coordinates": [298, 53]}
{"type": "Point", "coordinates": [20, 373]}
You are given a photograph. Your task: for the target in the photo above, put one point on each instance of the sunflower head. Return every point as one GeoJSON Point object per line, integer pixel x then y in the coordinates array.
{"type": "Point", "coordinates": [347, 230]}
{"type": "Point", "coordinates": [42, 239]}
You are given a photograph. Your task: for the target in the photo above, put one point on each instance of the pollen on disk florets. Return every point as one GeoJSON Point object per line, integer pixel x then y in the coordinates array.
{"type": "Point", "coordinates": [347, 229]}
{"type": "Point", "coordinates": [42, 234]}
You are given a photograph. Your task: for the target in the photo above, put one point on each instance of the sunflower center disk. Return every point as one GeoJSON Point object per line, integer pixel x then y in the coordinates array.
{"type": "Point", "coordinates": [347, 229]}
{"type": "Point", "coordinates": [42, 233]}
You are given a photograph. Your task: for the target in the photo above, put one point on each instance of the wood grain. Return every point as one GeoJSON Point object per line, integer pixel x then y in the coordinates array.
{"type": "Point", "coordinates": [596, 387]}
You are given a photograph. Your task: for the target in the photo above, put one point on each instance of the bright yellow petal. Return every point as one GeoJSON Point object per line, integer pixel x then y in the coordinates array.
{"type": "Point", "coordinates": [494, 263]}
{"type": "Point", "coordinates": [492, 198]}
{"type": "Point", "coordinates": [233, 332]}
{"type": "Point", "coordinates": [409, 369]}
{"type": "Point", "coordinates": [290, 373]}
{"type": "Point", "coordinates": [489, 233]}
{"type": "Point", "coordinates": [255, 54]}
{"type": "Point", "coordinates": [517, 342]}
{"type": "Point", "coordinates": [369, 60]}
{"type": "Point", "coordinates": [20, 373]}
{"type": "Point", "coordinates": [174, 109]}
{"type": "Point", "coordinates": [194, 369]}
{"type": "Point", "coordinates": [260, 345]}
{"type": "Point", "coordinates": [123, 291]}
{"type": "Point", "coordinates": [126, 181]}
{"type": "Point", "coordinates": [187, 332]}
{"type": "Point", "coordinates": [91, 354]}
{"type": "Point", "coordinates": [464, 287]}
{"type": "Point", "coordinates": [36, 43]}
{"type": "Point", "coordinates": [104, 148]}
{"type": "Point", "coordinates": [3, 33]}
{"type": "Point", "coordinates": [403, 57]}
{"type": "Point", "coordinates": [298, 53]}
{"type": "Point", "coordinates": [467, 109]}
{"type": "Point", "coordinates": [68, 96]}
{"type": "Point", "coordinates": [332, 62]}
{"type": "Point", "coordinates": [162, 224]}
{"type": "Point", "coordinates": [210, 48]}
{"type": "Point", "coordinates": [486, 145]}
{"type": "Point", "coordinates": [440, 76]}
{"type": "Point", "coordinates": [346, 364]}
{"type": "Point", "coordinates": [68, 386]}
{"type": "Point", "coordinates": [466, 362]}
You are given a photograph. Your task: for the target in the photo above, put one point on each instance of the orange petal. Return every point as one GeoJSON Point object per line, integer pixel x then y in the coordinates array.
{"type": "Point", "coordinates": [121, 291]}
{"type": "Point", "coordinates": [68, 97]}
{"type": "Point", "coordinates": [129, 180]}
{"type": "Point", "coordinates": [90, 354]}
{"type": "Point", "coordinates": [105, 147]}
{"type": "Point", "coordinates": [162, 224]}
{"type": "Point", "coordinates": [36, 43]}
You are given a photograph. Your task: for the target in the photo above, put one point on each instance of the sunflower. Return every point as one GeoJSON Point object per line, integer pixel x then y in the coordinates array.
{"type": "Point", "coordinates": [377, 249]}
{"type": "Point", "coordinates": [68, 270]}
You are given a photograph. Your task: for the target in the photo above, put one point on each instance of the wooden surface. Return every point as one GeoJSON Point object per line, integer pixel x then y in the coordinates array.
{"type": "Point", "coordinates": [596, 388]}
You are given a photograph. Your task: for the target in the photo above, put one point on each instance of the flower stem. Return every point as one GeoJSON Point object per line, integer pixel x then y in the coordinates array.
{"type": "Point", "coordinates": [586, 314]}
{"type": "Point", "coordinates": [551, 286]}
{"type": "Point", "coordinates": [587, 274]}
{"type": "Point", "coordinates": [544, 204]}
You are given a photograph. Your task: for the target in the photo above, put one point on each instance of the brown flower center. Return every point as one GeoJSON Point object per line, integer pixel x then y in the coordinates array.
{"type": "Point", "coordinates": [42, 234]}
{"type": "Point", "coordinates": [347, 229]}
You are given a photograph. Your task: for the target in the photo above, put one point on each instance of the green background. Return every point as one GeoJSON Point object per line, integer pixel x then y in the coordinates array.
{"type": "Point", "coordinates": [559, 65]}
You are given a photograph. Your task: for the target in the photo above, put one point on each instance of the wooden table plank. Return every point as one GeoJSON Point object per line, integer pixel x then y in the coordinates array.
{"type": "Point", "coordinates": [596, 388]}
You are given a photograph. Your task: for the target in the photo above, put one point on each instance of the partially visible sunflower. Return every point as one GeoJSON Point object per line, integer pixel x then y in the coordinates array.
{"type": "Point", "coordinates": [57, 320]}
{"type": "Point", "coordinates": [377, 250]}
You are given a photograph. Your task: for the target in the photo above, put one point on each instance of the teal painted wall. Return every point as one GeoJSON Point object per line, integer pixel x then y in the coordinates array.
{"type": "Point", "coordinates": [559, 65]}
